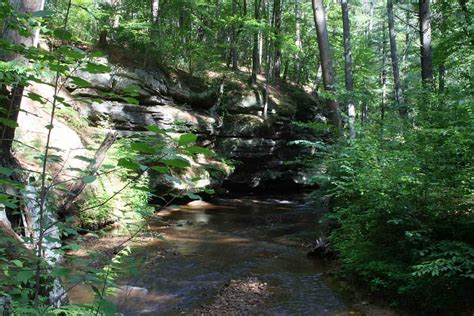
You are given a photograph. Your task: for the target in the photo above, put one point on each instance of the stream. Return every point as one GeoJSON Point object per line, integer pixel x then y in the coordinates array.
{"type": "Point", "coordinates": [205, 246]}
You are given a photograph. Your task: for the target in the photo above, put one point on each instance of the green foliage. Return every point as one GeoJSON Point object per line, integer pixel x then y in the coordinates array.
{"type": "Point", "coordinates": [403, 198]}
{"type": "Point", "coordinates": [26, 275]}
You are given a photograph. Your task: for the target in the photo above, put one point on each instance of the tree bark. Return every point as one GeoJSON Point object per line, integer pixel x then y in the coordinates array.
{"type": "Point", "coordinates": [425, 42]}
{"type": "Point", "coordinates": [155, 11]}
{"type": "Point", "coordinates": [99, 158]}
{"type": "Point", "coordinates": [369, 9]}
{"type": "Point", "coordinates": [255, 51]}
{"type": "Point", "coordinates": [442, 74]}
{"type": "Point", "coordinates": [12, 95]}
{"type": "Point", "coordinates": [234, 52]}
{"type": "Point", "coordinates": [277, 21]}
{"type": "Point", "coordinates": [394, 58]}
{"type": "Point", "coordinates": [383, 76]}
{"type": "Point", "coordinates": [348, 66]}
{"type": "Point", "coordinates": [468, 20]}
{"type": "Point", "coordinates": [298, 42]}
{"type": "Point", "coordinates": [326, 62]}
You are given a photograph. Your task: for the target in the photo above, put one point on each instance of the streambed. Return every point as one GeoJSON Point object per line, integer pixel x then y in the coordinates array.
{"type": "Point", "coordinates": [235, 256]}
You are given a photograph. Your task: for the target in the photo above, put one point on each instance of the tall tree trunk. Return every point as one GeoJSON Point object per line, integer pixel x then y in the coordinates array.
{"type": "Point", "coordinates": [348, 66]}
{"type": "Point", "coordinates": [383, 75]}
{"type": "Point", "coordinates": [155, 11]}
{"type": "Point", "coordinates": [255, 51]}
{"type": "Point", "coordinates": [425, 42]}
{"type": "Point", "coordinates": [394, 59]}
{"type": "Point", "coordinates": [277, 22]}
{"type": "Point", "coordinates": [369, 10]}
{"type": "Point", "coordinates": [234, 51]}
{"type": "Point", "coordinates": [442, 74]}
{"type": "Point", "coordinates": [326, 62]}
{"type": "Point", "coordinates": [467, 18]}
{"type": "Point", "coordinates": [298, 42]}
{"type": "Point", "coordinates": [12, 95]}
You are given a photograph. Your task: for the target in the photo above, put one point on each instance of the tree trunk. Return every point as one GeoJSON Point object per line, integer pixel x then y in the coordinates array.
{"type": "Point", "coordinates": [394, 58]}
{"type": "Point", "coordinates": [155, 11]}
{"type": "Point", "coordinates": [298, 42]}
{"type": "Point", "coordinates": [442, 74]}
{"type": "Point", "coordinates": [326, 62]}
{"type": "Point", "coordinates": [234, 52]}
{"type": "Point", "coordinates": [467, 18]}
{"type": "Point", "coordinates": [348, 66]}
{"type": "Point", "coordinates": [99, 158]}
{"type": "Point", "coordinates": [425, 42]}
{"type": "Point", "coordinates": [255, 52]}
{"type": "Point", "coordinates": [277, 21]}
{"type": "Point", "coordinates": [369, 9]}
{"type": "Point", "coordinates": [383, 75]}
{"type": "Point", "coordinates": [12, 95]}
{"type": "Point", "coordinates": [12, 35]}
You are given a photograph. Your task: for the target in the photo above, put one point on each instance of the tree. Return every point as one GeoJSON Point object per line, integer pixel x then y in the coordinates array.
{"type": "Point", "coordinates": [395, 65]}
{"type": "Point", "coordinates": [277, 21]}
{"type": "Point", "coordinates": [234, 51]}
{"type": "Point", "coordinates": [298, 42]}
{"type": "Point", "coordinates": [348, 66]}
{"type": "Point", "coordinates": [155, 11]}
{"type": "Point", "coordinates": [425, 42]}
{"type": "Point", "coordinates": [12, 95]}
{"type": "Point", "coordinates": [255, 51]}
{"type": "Point", "coordinates": [326, 62]}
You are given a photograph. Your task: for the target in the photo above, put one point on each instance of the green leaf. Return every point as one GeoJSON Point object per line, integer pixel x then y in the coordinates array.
{"type": "Point", "coordinates": [84, 158]}
{"type": "Point", "coordinates": [60, 272]}
{"type": "Point", "coordinates": [8, 122]}
{"type": "Point", "coordinates": [131, 89]}
{"type": "Point", "coordinates": [187, 139]}
{"type": "Point", "coordinates": [89, 179]}
{"type": "Point", "coordinates": [97, 68]}
{"type": "Point", "coordinates": [128, 164]}
{"type": "Point", "coordinates": [177, 163]}
{"type": "Point", "coordinates": [36, 97]}
{"type": "Point", "coordinates": [96, 54]}
{"type": "Point", "coordinates": [17, 263]}
{"type": "Point", "coordinates": [131, 100]}
{"type": "Point", "coordinates": [108, 308]}
{"type": "Point", "coordinates": [80, 82]}
{"type": "Point", "coordinates": [199, 150]}
{"type": "Point", "coordinates": [62, 34]}
{"type": "Point", "coordinates": [24, 275]}
{"type": "Point", "coordinates": [142, 147]}
{"type": "Point", "coordinates": [160, 169]}
{"type": "Point", "coordinates": [69, 231]}
{"type": "Point", "coordinates": [155, 129]}
{"type": "Point", "coordinates": [6, 171]}
{"type": "Point", "coordinates": [42, 13]}
{"type": "Point", "coordinates": [59, 68]}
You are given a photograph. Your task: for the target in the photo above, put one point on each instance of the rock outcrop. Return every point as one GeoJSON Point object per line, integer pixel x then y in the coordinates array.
{"type": "Point", "coordinates": [233, 124]}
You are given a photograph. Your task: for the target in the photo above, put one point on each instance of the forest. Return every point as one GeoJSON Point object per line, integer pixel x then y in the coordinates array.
{"type": "Point", "coordinates": [236, 157]}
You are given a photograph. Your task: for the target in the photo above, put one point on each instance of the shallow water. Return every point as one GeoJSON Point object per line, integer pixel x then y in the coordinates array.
{"type": "Point", "coordinates": [207, 245]}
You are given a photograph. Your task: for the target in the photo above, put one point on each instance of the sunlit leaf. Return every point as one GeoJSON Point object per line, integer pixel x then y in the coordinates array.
{"type": "Point", "coordinates": [177, 163]}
